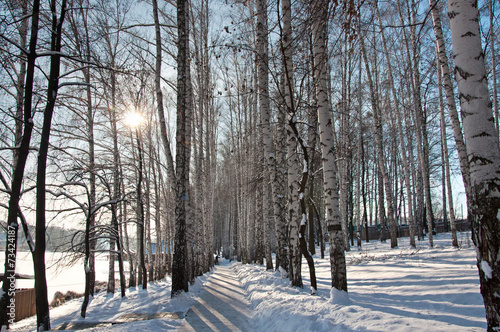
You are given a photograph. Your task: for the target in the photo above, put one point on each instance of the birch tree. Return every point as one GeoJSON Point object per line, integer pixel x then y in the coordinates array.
{"type": "Point", "coordinates": [330, 186]}
{"type": "Point", "coordinates": [450, 95]}
{"type": "Point", "coordinates": [483, 152]}
{"type": "Point", "coordinates": [446, 163]}
{"type": "Point", "coordinates": [293, 174]}
{"type": "Point", "coordinates": [179, 277]}
{"type": "Point", "coordinates": [264, 107]}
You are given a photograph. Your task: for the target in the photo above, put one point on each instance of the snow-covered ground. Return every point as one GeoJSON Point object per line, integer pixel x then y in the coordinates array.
{"type": "Point", "coordinates": [111, 308]}
{"type": "Point", "coordinates": [402, 289]}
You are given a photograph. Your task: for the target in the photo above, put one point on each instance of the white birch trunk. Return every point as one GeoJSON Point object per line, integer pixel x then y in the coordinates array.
{"type": "Point", "coordinates": [482, 150]}
{"type": "Point", "coordinates": [450, 95]}
{"type": "Point", "coordinates": [446, 162]}
{"type": "Point", "coordinates": [294, 217]}
{"type": "Point", "coordinates": [330, 186]}
{"type": "Point", "coordinates": [265, 116]}
{"type": "Point", "coordinates": [493, 63]}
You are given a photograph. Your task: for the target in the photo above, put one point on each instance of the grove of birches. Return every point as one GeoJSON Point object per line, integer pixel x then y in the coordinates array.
{"type": "Point", "coordinates": [163, 133]}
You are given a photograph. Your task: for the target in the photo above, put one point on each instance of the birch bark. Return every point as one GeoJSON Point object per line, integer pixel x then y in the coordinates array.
{"type": "Point", "coordinates": [180, 259]}
{"type": "Point", "coordinates": [292, 149]}
{"type": "Point", "coordinates": [446, 162]}
{"type": "Point", "coordinates": [330, 185]}
{"type": "Point", "coordinates": [265, 116]}
{"type": "Point", "coordinates": [482, 150]}
{"type": "Point", "coordinates": [450, 95]}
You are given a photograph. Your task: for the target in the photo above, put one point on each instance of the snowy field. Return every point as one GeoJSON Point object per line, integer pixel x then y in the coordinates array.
{"type": "Point", "coordinates": [401, 289]}
{"type": "Point", "coordinates": [62, 274]}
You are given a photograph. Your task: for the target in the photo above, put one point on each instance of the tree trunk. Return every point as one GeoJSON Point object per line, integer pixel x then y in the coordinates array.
{"type": "Point", "coordinates": [446, 164]}
{"type": "Point", "coordinates": [263, 93]}
{"type": "Point", "coordinates": [377, 124]}
{"type": "Point", "coordinates": [401, 141]}
{"type": "Point", "coordinates": [420, 120]}
{"type": "Point", "coordinates": [115, 195]}
{"type": "Point", "coordinates": [18, 174]}
{"type": "Point", "coordinates": [179, 278]}
{"type": "Point", "coordinates": [293, 176]}
{"type": "Point", "coordinates": [482, 149]}
{"type": "Point", "coordinates": [450, 95]}
{"type": "Point", "coordinates": [281, 195]}
{"type": "Point", "coordinates": [42, 303]}
{"type": "Point", "coordinates": [140, 214]}
{"type": "Point", "coordinates": [330, 187]}
{"type": "Point", "coordinates": [493, 64]}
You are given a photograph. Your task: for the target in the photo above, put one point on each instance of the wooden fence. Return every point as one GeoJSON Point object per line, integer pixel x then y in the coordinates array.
{"type": "Point", "coordinates": [25, 303]}
{"type": "Point", "coordinates": [404, 231]}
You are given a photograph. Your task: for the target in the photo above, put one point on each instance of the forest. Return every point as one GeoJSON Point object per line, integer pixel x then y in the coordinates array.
{"type": "Point", "coordinates": [163, 133]}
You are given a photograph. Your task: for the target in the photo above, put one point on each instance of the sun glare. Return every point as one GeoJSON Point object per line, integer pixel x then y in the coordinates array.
{"type": "Point", "coordinates": [134, 119]}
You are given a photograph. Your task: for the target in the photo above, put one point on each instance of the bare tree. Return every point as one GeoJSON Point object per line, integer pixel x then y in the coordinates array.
{"type": "Point", "coordinates": [19, 167]}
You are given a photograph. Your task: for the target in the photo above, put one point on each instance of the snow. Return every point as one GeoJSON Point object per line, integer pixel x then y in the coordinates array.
{"type": "Point", "coordinates": [404, 289]}
{"type": "Point", "coordinates": [111, 307]}
{"type": "Point", "coordinates": [339, 297]}
{"type": "Point", "coordinates": [487, 270]}
{"type": "Point", "coordinates": [407, 289]}
{"type": "Point", "coordinates": [282, 272]}
{"type": "Point", "coordinates": [304, 220]}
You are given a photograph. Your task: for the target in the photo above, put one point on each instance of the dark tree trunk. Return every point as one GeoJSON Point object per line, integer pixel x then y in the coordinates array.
{"type": "Point", "coordinates": [18, 174]}
{"type": "Point", "coordinates": [179, 275]}
{"type": "Point", "coordinates": [42, 303]}
{"type": "Point", "coordinates": [140, 214]}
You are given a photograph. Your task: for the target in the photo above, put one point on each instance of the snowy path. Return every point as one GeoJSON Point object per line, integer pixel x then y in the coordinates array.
{"type": "Point", "coordinates": [221, 307]}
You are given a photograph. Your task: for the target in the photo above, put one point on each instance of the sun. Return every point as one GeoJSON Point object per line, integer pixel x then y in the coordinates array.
{"type": "Point", "coordinates": [133, 119]}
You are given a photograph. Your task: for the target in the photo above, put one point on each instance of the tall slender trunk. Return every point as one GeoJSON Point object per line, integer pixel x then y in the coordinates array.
{"type": "Point", "coordinates": [159, 270]}
{"type": "Point", "coordinates": [18, 173]}
{"type": "Point", "coordinates": [140, 212]}
{"type": "Point", "coordinates": [401, 141]}
{"type": "Point", "coordinates": [493, 64]}
{"type": "Point", "coordinates": [115, 195]}
{"type": "Point", "coordinates": [450, 95]}
{"type": "Point", "coordinates": [265, 116]}
{"type": "Point", "coordinates": [446, 163]}
{"type": "Point", "coordinates": [377, 124]}
{"type": "Point", "coordinates": [281, 195]}
{"type": "Point", "coordinates": [330, 186]}
{"type": "Point", "coordinates": [420, 119]}
{"type": "Point", "coordinates": [147, 202]}
{"type": "Point", "coordinates": [42, 303]}
{"type": "Point", "coordinates": [293, 175]}
{"type": "Point", "coordinates": [179, 277]}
